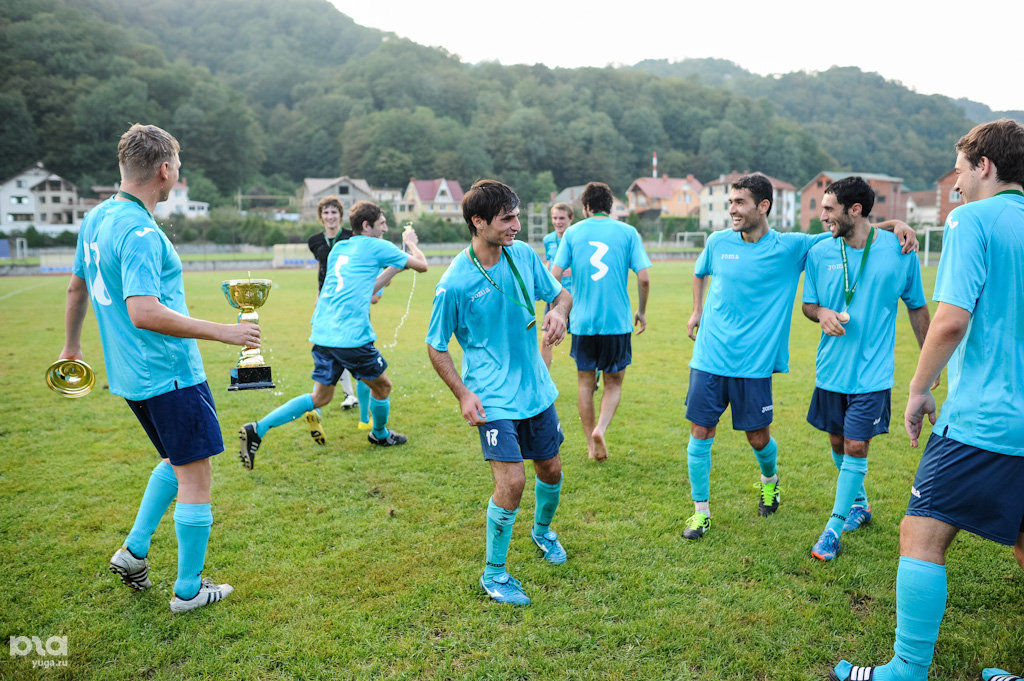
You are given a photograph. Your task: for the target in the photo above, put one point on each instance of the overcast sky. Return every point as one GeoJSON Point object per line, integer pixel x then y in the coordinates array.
{"type": "Point", "coordinates": [930, 47]}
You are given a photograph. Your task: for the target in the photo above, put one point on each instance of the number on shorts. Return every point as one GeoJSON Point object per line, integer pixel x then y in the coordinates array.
{"type": "Point", "coordinates": [341, 261]}
{"type": "Point", "coordinates": [492, 437]}
{"type": "Point", "coordinates": [595, 259]}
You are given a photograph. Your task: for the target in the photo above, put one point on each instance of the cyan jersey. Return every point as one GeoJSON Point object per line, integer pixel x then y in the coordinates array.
{"type": "Point", "coordinates": [982, 271]}
{"type": "Point", "coordinates": [501, 361]}
{"type": "Point", "coordinates": [121, 253]}
{"type": "Point", "coordinates": [600, 252]}
{"type": "Point", "coordinates": [744, 329]}
{"type": "Point", "coordinates": [861, 361]}
{"type": "Point", "coordinates": [551, 242]}
{"type": "Point", "coordinates": [342, 315]}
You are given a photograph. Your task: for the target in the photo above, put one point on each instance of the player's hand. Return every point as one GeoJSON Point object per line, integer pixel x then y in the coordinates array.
{"type": "Point", "coordinates": [906, 235]}
{"type": "Point", "coordinates": [692, 325]}
{"type": "Point", "coordinates": [554, 326]}
{"type": "Point", "coordinates": [640, 319]}
{"type": "Point", "coordinates": [472, 409]}
{"type": "Point", "coordinates": [829, 321]}
{"type": "Point", "coordinates": [409, 237]}
{"type": "Point", "coordinates": [242, 333]}
{"type": "Point", "coordinates": [918, 404]}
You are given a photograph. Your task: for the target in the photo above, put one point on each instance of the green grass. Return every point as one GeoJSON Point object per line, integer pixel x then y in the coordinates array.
{"type": "Point", "coordinates": [354, 562]}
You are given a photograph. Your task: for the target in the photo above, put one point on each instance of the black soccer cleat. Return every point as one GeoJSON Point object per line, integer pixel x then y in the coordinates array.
{"type": "Point", "coordinates": [248, 443]}
{"type": "Point", "coordinates": [391, 440]}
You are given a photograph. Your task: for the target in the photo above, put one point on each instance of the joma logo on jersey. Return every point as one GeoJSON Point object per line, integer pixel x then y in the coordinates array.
{"type": "Point", "coordinates": [837, 266]}
{"type": "Point", "coordinates": [482, 292]}
{"type": "Point", "coordinates": [730, 256]}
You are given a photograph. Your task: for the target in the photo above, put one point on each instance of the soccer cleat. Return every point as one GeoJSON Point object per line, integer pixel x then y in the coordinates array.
{"type": "Point", "coordinates": [248, 443]}
{"type": "Point", "coordinates": [993, 674]}
{"type": "Point", "coordinates": [697, 525]}
{"type": "Point", "coordinates": [349, 402]}
{"type": "Point", "coordinates": [316, 427]}
{"type": "Point", "coordinates": [391, 440]}
{"type": "Point", "coordinates": [850, 672]}
{"type": "Point", "coordinates": [768, 500]}
{"type": "Point", "coordinates": [505, 589]}
{"type": "Point", "coordinates": [827, 546]}
{"type": "Point", "coordinates": [363, 425]}
{"type": "Point", "coordinates": [134, 572]}
{"type": "Point", "coordinates": [208, 593]}
{"type": "Point", "coordinates": [859, 516]}
{"type": "Point", "coordinates": [548, 543]}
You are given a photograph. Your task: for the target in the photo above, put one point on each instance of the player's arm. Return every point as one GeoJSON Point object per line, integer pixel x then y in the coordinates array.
{"type": "Point", "coordinates": [919, 321]}
{"type": "Point", "coordinates": [944, 334]}
{"type": "Point", "coordinates": [904, 232]}
{"type": "Point", "coordinates": [827, 318]}
{"type": "Point", "coordinates": [470, 405]}
{"type": "Point", "coordinates": [700, 285]}
{"type": "Point", "coordinates": [76, 304]}
{"type": "Point", "coordinates": [385, 277]}
{"type": "Point", "coordinates": [147, 312]}
{"type": "Point", "coordinates": [556, 320]}
{"type": "Point", "coordinates": [557, 272]}
{"type": "Point", "coordinates": [643, 291]}
{"type": "Point", "coordinates": [417, 261]}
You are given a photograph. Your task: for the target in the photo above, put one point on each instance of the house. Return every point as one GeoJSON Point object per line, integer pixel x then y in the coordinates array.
{"type": "Point", "coordinates": [572, 195]}
{"type": "Point", "coordinates": [948, 197]}
{"type": "Point", "coordinates": [347, 189]}
{"type": "Point", "coordinates": [36, 197]}
{"type": "Point", "coordinates": [922, 207]}
{"type": "Point", "coordinates": [434, 197]}
{"type": "Point", "coordinates": [889, 201]}
{"type": "Point", "coordinates": [714, 203]}
{"type": "Point", "coordinates": [178, 203]}
{"type": "Point", "coordinates": [669, 196]}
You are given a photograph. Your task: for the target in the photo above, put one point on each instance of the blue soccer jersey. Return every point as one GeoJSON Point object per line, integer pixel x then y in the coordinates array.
{"type": "Point", "coordinates": [600, 252]}
{"type": "Point", "coordinates": [121, 253]}
{"type": "Point", "coordinates": [551, 242]}
{"type": "Point", "coordinates": [862, 360]}
{"type": "Point", "coordinates": [982, 271]}
{"type": "Point", "coordinates": [342, 315]}
{"type": "Point", "coordinates": [501, 361]}
{"type": "Point", "coordinates": [744, 330]}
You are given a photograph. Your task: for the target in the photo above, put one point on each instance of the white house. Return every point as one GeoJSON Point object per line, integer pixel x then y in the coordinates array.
{"type": "Point", "coordinates": [38, 198]}
{"type": "Point", "coordinates": [178, 203]}
{"type": "Point", "coordinates": [347, 189]}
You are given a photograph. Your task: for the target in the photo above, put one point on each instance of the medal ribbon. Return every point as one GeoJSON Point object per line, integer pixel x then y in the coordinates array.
{"type": "Point", "coordinates": [125, 195]}
{"type": "Point", "coordinates": [847, 291]}
{"type": "Point", "coordinates": [515, 273]}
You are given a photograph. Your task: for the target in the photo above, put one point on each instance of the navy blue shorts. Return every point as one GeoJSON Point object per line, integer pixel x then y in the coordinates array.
{"type": "Point", "coordinates": [364, 362]}
{"type": "Point", "coordinates": [970, 488]}
{"type": "Point", "coordinates": [182, 424]}
{"type": "Point", "coordinates": [610, 354]}
{"type": "Point", "coordinates": [538, 437]}
{"type": "Point", "coordinates": [709, 395]}
{"type": "Point", "coordinates": [859, 416]}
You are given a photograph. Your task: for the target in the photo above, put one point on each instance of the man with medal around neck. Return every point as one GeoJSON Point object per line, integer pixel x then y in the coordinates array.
{"type": "Point", "coordinates": [852, 286]}
{"type": "Point", "coordinates": [486, 300]}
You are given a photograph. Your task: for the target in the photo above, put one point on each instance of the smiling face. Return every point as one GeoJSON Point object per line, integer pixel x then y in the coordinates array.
{"type": "Point", "coordinates": [379, 226]}
{"type": "Point", "coordinates": [502, 230]}
{"type": "Point", "coordinates": [560, 219]}
{"type": "Point", "coordinates": [836, 218]}
{"type": "Point", "coordinates": [967, 178]}
{"type": "Point", "coordinates": [745, 213]}
{"type": "Point", "coordinates": [330, 216]}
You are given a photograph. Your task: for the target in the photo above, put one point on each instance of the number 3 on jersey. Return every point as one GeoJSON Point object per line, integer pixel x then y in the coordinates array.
{"type": "Point", "coordinates": [338, 264]}
{"type": "Point", "coordinates": [595, 259]}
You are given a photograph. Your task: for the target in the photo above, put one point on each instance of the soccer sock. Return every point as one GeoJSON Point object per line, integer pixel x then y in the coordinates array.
{"type": "Point", "coordinates": [287, 412]}
{"type": "Point", "coordinates": [380, 410]}
{"type": "Point", "coordinates": [363, 395]}
{"type": "Point", "coordinates": [499, 534]}
{"type": "Point", "coordinates": [698, 464]}
{"type": "Point", "coordinates": [862, 495]}
{"type": "Point", "coordinates": [851, 478]}
{"type": "Point", "coordinates": [192, 525]}
{"type": "Point", "coordinates": [346, 381]}
{"type": "Point", "coordinates": [160, 492]}
{"type": "Point", "coordinates": [837, 459]}
{"type": "Point", "coordinates": [766, 458]}
{"type": "Point", "coordinates": [547, 502]}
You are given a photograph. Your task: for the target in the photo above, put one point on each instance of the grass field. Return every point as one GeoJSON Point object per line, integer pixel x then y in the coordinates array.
{"type": "Point", "coordinates": [353, 562]}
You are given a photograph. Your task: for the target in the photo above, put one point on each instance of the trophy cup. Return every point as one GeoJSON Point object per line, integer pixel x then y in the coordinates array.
{"type": "Point", "coordinates": [247, 295]}
{"type": "Point", "coordinates": [70, 377]}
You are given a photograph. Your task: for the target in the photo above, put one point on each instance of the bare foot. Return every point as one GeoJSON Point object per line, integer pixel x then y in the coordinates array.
{"type": "Point", "coordinates": [600, 448]}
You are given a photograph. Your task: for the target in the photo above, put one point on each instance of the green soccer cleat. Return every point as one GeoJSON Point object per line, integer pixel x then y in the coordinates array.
{"type": "Point", "coordinates": [769, 498]}
{"type": "Point", "coordinates": [697, 525]}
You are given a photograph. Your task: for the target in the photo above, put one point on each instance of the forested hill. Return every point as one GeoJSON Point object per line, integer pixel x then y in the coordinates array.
{"type": "Point", "coordinates": [266, 92]}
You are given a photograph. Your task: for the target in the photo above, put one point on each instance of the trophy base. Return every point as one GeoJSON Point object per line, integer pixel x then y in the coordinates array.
{"type": "Point", "coordinates": [250, 378]}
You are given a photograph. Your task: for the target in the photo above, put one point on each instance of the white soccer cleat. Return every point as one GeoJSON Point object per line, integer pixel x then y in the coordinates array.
{"type": "Point", "coordinates": [349, 402]}
{"type": "Point", "coordinates": [209, 592]}
{"type": "Point", "coordinates": [134, 572]}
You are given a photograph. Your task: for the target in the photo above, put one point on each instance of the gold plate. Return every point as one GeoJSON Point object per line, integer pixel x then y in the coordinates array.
{"type": "Point", "coordinates": [70, 377]}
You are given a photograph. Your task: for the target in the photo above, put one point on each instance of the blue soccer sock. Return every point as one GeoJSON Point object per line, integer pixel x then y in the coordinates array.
{"type": "Point", "coordinates": [862, 495]}
{"type": "Point", "coordinates": [767, 458]}
{"type": "Point", "coordinates": [380, 410]}
{"type": "Point", "coordinates": [837, 459]}
{"type": "Point", "coordinates": [499, 535]}
{"type": "Point", "coordinates": [547, 503]}
{"type": "Point", "coordinates": [286, 413]}
{"type": "Point", "coordinates": [851, 479]}
{"type": "Point", "coordinates": [363, 395]}
{"type": "Point", "coordinates": [192, 524]}
{"type": "Point", "coordinates": [698, 465]}
{"type": "Point", "coordinates": [160, 492]}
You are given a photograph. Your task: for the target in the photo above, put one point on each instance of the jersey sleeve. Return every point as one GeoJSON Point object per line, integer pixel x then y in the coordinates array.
{"type": "Point", "coordinates": [443, 317]}
{"type": "Point", "coordinates": [638, 259]}
{"type": "Point", "coordinates": [141, 254]}
{"type": "Point", "coordinates": [703, 266]}
{"type": "Point", "coordinates": [962, 271]}
{"type": "Point", "coordinates": [545, 286]}
{"type": "Point", "coordinates": [913, 290]}
{"type": "Point", "coordinates": [79, 268]}
{"type": "Point", "coordinates": [391, 255]}
{"type": "Point", "coordinates": [810, 294]}
{"type": "Point", "coordinates": [563, 257]}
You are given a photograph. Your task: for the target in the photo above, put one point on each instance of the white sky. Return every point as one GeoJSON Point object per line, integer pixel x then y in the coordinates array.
{"type": "Point", "coordinates": [933, 47]}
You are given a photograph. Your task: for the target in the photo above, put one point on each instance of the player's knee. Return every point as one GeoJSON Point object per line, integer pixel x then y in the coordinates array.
{"type": "Point", "coordinates": [381, 388]}
{"type": "Point", "coordinates": [856, 448]}
{"type": "Point", "coordinates": [758, 439]}
{"type": "Point", "coordinates": [1018, 550]}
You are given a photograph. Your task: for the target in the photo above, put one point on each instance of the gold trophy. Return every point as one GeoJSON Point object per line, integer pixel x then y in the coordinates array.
{"type": "Point", "coordinates": [70, 377]}
{"type": "Point", "coordinates": [247, 295]}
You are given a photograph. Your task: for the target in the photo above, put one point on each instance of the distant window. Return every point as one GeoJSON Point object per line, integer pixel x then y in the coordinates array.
{"type": "Point", "coordinates": [20, 217]}
{"type": "Point", "coordinates": [814, 203]}
{"type": "Point", "coordinates": [42, 199]}
{"type": "Point", "coordinates": [343, 190]}
{"type": "Point", "coordinates": [881, 198]}
{"type": "Point", "coordinates": [19, 200]}
{"type": "Point", "coordinates": [42, 217]}
{"type": "Point", "coordinates": [820, 184]}
{"type": "Point", "coordinates": [954, 196]}
{"type": "Point", "coordinates": [19, 183]}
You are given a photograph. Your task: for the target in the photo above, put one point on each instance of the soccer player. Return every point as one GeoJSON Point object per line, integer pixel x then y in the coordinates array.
{"type": "Point", "coordinates": [600, 252]}
{"type": "Point", "coordinates": [486, 300]}
{"type": "Point", "coordinates": [561, 217]}
{"type": "Point", "coordinates": [851, 287]}
{"type": "Point", "coordinates": [744, 337]}
{"type": "Point", "coordinates": [342, 336]}
{"type": "Point", "coordinates": [971, 476]}
{"type": "Point", "coordinates": [329, 213]}
{"type": "Point", "coordinates": [126, 264]}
